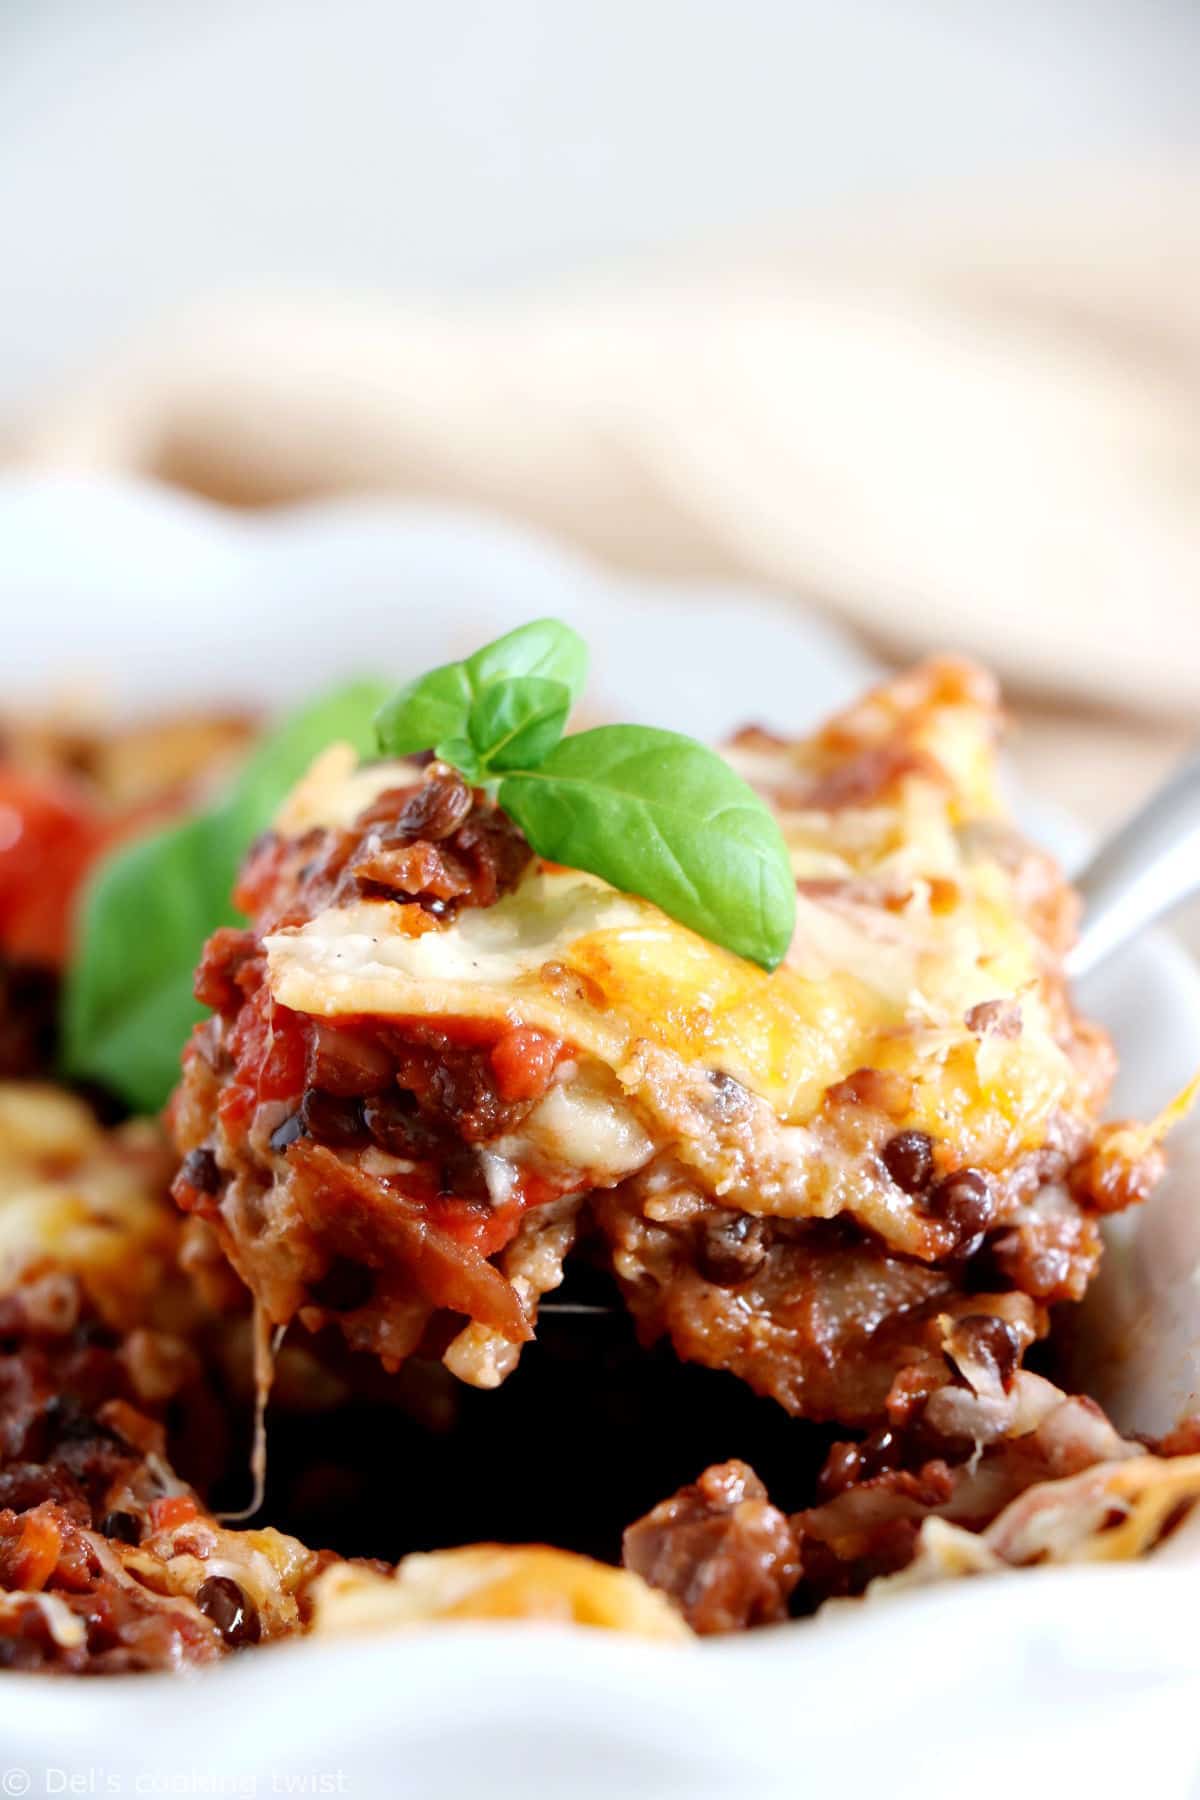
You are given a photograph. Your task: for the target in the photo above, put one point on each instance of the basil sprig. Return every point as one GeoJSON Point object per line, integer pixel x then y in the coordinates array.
{"type": "Point", "coordinates": [466, 709]}
{"type": "Point", "coordinates": [149, 906]}
{"type": "Point", "coordinates": [650, 811]}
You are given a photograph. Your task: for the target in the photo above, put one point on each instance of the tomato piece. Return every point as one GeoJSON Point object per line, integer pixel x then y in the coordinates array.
{"type": "Point", "coordinates": [172, 1510]}
{"type": "Point", "coordinates": [36, 1554]}
{"type": "Point", "coordinates": [49, 836]}
{"type": "Point", "coordinates": [282, 1072]}
{"type": "Point", "coordinates": [523, 1062]}
{"type": "Point", "coordinates": [270, 1047]}
{"type": "Point", "coordinates": [486, 1232]}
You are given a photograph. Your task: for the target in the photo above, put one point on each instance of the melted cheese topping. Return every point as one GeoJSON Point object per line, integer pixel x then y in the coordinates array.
{"type": "Point", "coordinates": [838, 1005]}
{"type": "Point", "coordinates": [860, 988]}
{"type": "Point", "coordinates": [909, 916]}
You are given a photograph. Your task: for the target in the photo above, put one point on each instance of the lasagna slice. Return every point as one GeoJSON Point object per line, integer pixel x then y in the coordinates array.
{"type": "Point", "coordinates": [436, 1064]}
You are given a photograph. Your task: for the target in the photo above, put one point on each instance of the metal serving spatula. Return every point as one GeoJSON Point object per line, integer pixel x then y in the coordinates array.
{"type": "Point", "coordinates": [1148, 866]}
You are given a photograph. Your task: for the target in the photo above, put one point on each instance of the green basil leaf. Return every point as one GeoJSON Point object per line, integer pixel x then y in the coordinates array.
{"type": "Point", "coordinates": [463, 756]}
{"type": "Point", "coordinates": [514, 724]}
{"type": "Point", "coordinates": [148, 908]}
{"type": "Point", "coordinates": [428, 710]}
{"type": "Point", "coordinates": [544, 647]}
{"type": "Point", "coordinates": [437, 707]}
{"type": "Point", "coordinates": [660, 815]}
{"type": "Point", "coordinates": [127, 1003]}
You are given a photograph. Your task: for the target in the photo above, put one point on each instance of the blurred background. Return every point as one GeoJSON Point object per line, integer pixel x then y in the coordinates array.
{"type": "Point", "coordinates": [890, 307]}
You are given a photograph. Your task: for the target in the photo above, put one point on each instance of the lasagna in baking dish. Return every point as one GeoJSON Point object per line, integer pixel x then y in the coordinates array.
{"type": "Point", "coordinates": [514, 1012]}
{"type": "Point", "coordinates": [437, 1066]}
{"type": "Point", "coordinates": [110, 1559]}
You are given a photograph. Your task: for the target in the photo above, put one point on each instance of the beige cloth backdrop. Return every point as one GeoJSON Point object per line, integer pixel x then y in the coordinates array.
{"type": "Point", "coordinates": [984, 433]}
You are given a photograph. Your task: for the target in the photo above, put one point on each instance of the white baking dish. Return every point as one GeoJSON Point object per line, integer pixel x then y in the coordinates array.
{"type": "Point", "coordinates": [1031, 1680]}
